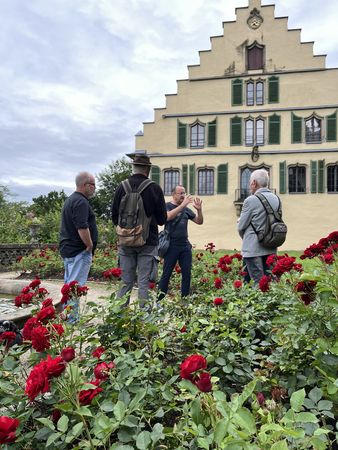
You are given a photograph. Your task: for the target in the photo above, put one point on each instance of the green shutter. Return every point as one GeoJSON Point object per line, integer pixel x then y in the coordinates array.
{"type": "Point", "coordinates": [185, 176]}
{"type": "Point", "coordinates": [192, 179]}
{"type": "Point", "coordinates": [181, 134]}
{"type": "Point", "coordinates": [212, 133]}
{"type": "Point", "coordinates": [314, 177]}
{"type": "Point", "coordinates": [296, 129]}
{"type": "Point", "coordinates": [222, 179]}
{"type": "Point", "coordinates": [236, 131]}
{"type": "Point", "coordinates": [282, 177]}
{"type": "Point", "coordinates": [331, 127]}
{"type": "Point", "coordinates": [155, 174]}
{"type": "Point", "coordinates": [273, 90]}
{"type": "Point", "coordinates": [321, 166]}
{"type": "Point", "coordinates": [274, 129]}
{"type": "Point", "coordinates": [237, 92]}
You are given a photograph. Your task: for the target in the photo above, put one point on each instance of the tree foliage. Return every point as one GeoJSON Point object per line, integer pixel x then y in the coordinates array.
{"type": "Point", "coordinates": [49, 203]}
{"type": "Point", "coordinates": [108, 180]}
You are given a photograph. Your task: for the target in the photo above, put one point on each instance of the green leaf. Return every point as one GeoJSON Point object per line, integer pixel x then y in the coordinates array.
{"type": "Point", "coordinates": [62, 424]}
{"type": "Point", "coordinates": [76, 430]}
{"type": "Point", "coordinates": [195, 411]}
{"type": "Point", "coordinates": [121, 447]}
{"type": "Point", "coordinates": [83, 411]}
{"type": "Point", "coordinates": [47, 422]}
{"type": "Point", "coordinates": [189, 386]}
{"type": "Point", "coordinates": [107, 406]}
{"type": "Point", "coordinates": [52, 438]}
{"type": "Point", "coordinates": [143, 440]}
{"type": "Point", "coordinates": [245, 420]}
{"type": "Point", "coordinates": [157, 433]}
{"type": "Point", "coordinates": [119, 410]}
{"type": "Point", "coordinates": [297, 399]}
{"type": "Point", "coordinates": [325, 405]}
{"type": "Point", "coordinates": [104, 422]}
{"type": "Point", "coordinates": [203, 443]}
{"type": "Point", "coordinates": [281, 445]}
{"type": "Point", "coordinates": [9, 363]}
{"type": "Point", "coordinates": [130, 421]}
{"type": "Point", "coordinates": [306, 417]}
{"type": "Point", "coordinates": [220, 431]}
{"type": "Point", "coordinates": [315, 394]}
{"type": "Point", "coordinates": [136, 400]}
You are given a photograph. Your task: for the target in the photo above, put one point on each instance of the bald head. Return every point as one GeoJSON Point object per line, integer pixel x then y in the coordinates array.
{"type": "Point", "coordinates": [85, 183]}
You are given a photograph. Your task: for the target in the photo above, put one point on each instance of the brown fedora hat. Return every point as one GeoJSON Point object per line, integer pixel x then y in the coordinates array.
{"type": "Point", "coordinates": [141, 160]}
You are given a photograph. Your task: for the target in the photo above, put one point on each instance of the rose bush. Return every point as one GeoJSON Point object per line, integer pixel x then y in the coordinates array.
{"type": "Point", "coordinates": [257, 372]}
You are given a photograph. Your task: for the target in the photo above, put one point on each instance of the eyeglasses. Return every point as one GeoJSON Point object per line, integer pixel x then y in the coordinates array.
{"type": "Point", "coordinates": [92, 184]}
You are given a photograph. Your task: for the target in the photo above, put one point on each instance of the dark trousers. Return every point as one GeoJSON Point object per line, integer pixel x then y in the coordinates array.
{"type": "Point", "coordinates": [183, 255]}
{"type": "Point", "coordinates": [255, 267]}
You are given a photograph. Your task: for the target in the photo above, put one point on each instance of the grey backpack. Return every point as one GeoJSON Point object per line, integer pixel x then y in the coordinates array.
{"type": "Point", "coordinates": [274, 232]}
{"type": "Point", "coordinates": [133, 223]}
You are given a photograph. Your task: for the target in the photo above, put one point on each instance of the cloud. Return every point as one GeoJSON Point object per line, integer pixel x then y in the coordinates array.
{"type": "Point", "coordinates": [79, 77]}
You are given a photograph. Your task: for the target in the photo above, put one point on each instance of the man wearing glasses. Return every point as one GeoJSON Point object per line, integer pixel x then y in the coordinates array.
{"type": "Point", "coordinates": [78, 236]}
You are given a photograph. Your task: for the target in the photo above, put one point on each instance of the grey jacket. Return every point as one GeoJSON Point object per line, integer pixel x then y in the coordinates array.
{"type": "Point", "coordinates": [253, 212]}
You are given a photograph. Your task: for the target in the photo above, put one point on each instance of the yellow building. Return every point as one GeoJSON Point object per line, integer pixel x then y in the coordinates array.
{"type": "Point", "coordinates": [258, 98]}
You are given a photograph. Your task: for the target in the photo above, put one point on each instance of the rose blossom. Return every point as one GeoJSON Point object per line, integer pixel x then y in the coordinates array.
{"type": "Point", "coordinates": [28, 327]}
{"type": "Point", "coordinates": [86, 395]}
{"type": "Point", "coordinates": [37, 381]}
{"type": "Point", "coordinates": [183, 329]}
{"type": "Point", "coordinates": [218, 301]}
{"type": "Point", "coordinates": [54, 366]}
{"type": "Point", "coordinates": [97, 353]}
{"type": "Point", "coordinates": [8, 427]}
{"type": "Point", "coordinates": [35, 283]}
{"type": "Point", "coordinates": [218, 283]}
{"type": "Point", "coordinates": [58, 328]}
{"type": "Point", "coordinates": [260, 398]}
{"type": "Point", "coordinates": [46, 313]}
{"type": "Point", "coordinates": [264, 283]}
{"type": "Point", "coordinates": [46, 303]}
{"type": "Point", "coordinates": [68, 354]}
{"type": "Point", "coordinates": [203, 382]}
{"type": "Point", "coordinates": [8, 336]}
{"type": "Point", "coordinates": [101, 370]}
{"type": "Point", "coordinates": [40, 338]}
{"type": "Point", "coordinates": [237, 284]}
{"type": "Point", "coordinates": [192, 364]}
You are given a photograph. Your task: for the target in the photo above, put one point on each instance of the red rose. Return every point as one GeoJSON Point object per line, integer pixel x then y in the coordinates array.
{"type": "Point", "coordinates": [64, 299]}
{"type": "Point", "coordinates": [203, 382]}
{"type": "Point", "coordinates": [177, 269]}
{"type": "Point", "coordinates": [25, 290]}
{"type": "Point", "coordinates": [54, 366]}
{"type": "Point", "coordinates": [192, 364]}
{"type": "Point", "coordinates": [86, 395]}
{"type": "Point", "coordinates": [65, 290]}
{"type": "Point", "coordinates": [264, 283]}
{"type": "Point", "coordinates": [46, 303]}
{"type": "Point", "coordinates": [33, 284]}
{"type": "Point", "coordinates": [218, 301]}
{"type": "Point", "coordinates": [260, 398]}
{"type": "Point", "coordinates": [183, 329]}
{"type": "Point", "coordinates": [68, 354]}
{"type": "Point", "coordinates": [215, 271]}
{"type": "Point", "coordinates": [98, 352]}
{"type": "Point", "coordinates": [18, 301]}
{"type": "Point", "coordinates": [27, 298]}
{"type": "Point", "coordinates": [58, 328]}
{"type": "Point", "coordinates": [7, 336]}
{"type": "Point", "coordinates": [40, 338]}
{"type": "Point", "coordinates": [8, 427]}
{"type": "Point", "coordinates": [328, 258]}
{"type": "Point", "coordinates": [73, 283]}
{"type": "Point", "coordinates": [28, 327]}
{"type": "Point", "coordinates": [55, 416]}
{"type": "Point", "coordinates": [37, 381]}
{"type": "Point", "coordinates": [117, 272]}
{"type": "Point", "coordinates": [101, 370]}
{"type": "Point", "coordinates": [42, 292]}
{"type": "Point", "coordinates": [237, 284]}
{"type": "Point", "coordinates": [152, 285]}
{"type": "Point", "coordinates": [46, 313]}
{"type": "Point", "coordinates": [218, 283]}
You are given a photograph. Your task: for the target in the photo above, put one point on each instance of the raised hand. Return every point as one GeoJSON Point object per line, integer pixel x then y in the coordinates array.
{"type": "Point", "coordinates": [197, 204]}
{"type": "Point", "coordinates": [187, 200]}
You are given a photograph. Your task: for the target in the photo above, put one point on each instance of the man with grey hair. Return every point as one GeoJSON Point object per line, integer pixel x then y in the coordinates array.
{"type": "Point", "coordinates": [251, 221]}
{"type": "Point", "coordinates": [140, 261]}
{"type": "Point", "coordinates": [78, 237]}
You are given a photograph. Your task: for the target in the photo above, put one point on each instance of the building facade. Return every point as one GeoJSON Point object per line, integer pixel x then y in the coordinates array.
{"type": "Point", "coordinates": [259, 98]}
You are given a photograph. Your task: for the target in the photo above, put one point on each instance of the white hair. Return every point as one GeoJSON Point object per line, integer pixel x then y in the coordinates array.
{"type": "Point", "coordinates": [261, 177]}
{"type": "Point", "coordinates": [82, 178]}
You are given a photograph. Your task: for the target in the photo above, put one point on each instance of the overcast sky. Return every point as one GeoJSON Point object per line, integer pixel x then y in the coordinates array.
{"type": "Point", "coordinates": [78, 77]}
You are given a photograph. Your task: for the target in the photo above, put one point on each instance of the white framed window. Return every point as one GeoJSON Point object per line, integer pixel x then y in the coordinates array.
{"type": "Point", "coordinates": [171, 179]}
{"type": "Point", "coordinates": [254, 131]}
{"type": "Point", "coordinates": [205, 181]}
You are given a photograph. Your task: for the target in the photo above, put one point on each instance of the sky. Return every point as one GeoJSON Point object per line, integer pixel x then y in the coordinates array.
{"type": "Point", "coordinates": [79, 77]}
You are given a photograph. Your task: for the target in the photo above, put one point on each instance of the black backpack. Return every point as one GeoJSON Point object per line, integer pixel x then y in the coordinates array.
{"type": "Point", "coordinates": [274, 232]}
{"type": "Point", "coordinates": [133, 223]}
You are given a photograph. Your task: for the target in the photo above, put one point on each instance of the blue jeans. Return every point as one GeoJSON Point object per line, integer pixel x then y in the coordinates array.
{"type": "Point", "coordinates": [183, 255]}
{"type": "Point", "coordinates": [76, 268]}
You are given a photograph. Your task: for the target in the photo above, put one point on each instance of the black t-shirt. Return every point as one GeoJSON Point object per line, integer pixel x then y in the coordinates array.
{"type": "Point", "coordinates": [76, 214]}
{"type": "Point", "coordinates": [153, 201]}
{"type": "Point", "coordinates": [179, 235]}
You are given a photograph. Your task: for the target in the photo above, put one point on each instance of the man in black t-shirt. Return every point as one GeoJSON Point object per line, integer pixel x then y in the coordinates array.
{"type": "Point", "coordinates": [180, 247]}
{"type": "Point", "coordinates": [78, 237]}
{"type": "Point", "coordinates": [140, 260]}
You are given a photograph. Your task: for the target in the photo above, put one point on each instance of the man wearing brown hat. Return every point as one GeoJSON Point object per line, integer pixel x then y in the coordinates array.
{"type": "Point", "coordinates": [140, 260]}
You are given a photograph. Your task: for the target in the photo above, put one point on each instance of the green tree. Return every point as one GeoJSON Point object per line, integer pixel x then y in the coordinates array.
{"type": "Point", "coordinates": [108, 180]}
{"type": "Point", "coordinates": [50, 203]}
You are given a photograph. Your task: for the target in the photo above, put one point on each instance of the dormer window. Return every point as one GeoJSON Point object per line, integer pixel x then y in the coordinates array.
{"type": "Point", "coordinates": [255, 56]}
